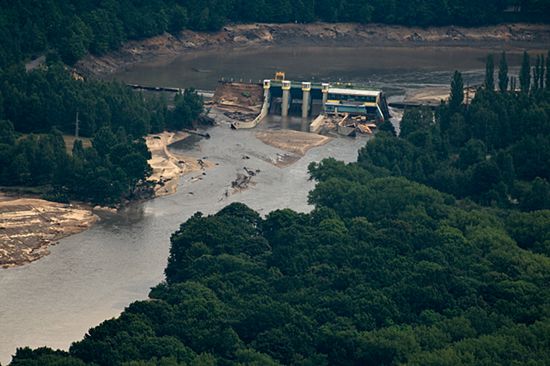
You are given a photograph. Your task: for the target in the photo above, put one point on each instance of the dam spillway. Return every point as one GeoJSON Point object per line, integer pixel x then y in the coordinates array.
{"type": "Point", "coordinates": [310, 99]}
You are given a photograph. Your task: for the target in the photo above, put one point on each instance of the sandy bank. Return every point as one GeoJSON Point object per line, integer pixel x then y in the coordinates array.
{"type": "Point", "coordinates": [164, 47]}
{"type": "Point", "coordinates": [295, 142]}
{"type": "Point", "coordinates": [169, 166]}
{"type": "Point", "coordinates": [28, 226]}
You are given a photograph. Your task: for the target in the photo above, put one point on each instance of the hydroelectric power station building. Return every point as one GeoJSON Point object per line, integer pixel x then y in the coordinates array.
{"type": "Point", "coordinates": [314, 98]}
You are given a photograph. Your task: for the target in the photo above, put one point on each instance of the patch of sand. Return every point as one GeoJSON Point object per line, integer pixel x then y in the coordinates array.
{"type": "Point", "coordinates": [28, 226]}
{"type": "Point", "coordinates": [169, 166]}
{"type": "Point", "coordinates": [434, 95]}
{"type": "Point", "coordinates": [295, 142]}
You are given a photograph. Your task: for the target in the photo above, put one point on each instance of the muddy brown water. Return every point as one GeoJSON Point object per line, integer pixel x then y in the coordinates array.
{"type": "Point", "coordinates": [92, 276]}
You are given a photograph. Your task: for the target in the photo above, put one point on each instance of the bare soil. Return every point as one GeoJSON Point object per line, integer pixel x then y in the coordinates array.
{"type": "Point", "coordinates": [28, 226]}
{"type": "Point", "coordinates": [168, 166]}
{"type": "Point", "coordinates": [247, 96]}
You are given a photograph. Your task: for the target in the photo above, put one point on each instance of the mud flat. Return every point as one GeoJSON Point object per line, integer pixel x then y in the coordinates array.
{"type": "Point", "coordinates": [297, 143]}
{"type": "Point", "coordinates": [168, 166]}
{"type": "Point", "coordinates": [162, 49]}
{"type": "Point", "coordinates": [28, 226]}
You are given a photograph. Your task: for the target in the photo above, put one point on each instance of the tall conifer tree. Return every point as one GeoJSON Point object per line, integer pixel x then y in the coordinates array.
{"type": "Point", "coordinates": [503, 73]}
{"type": "Point", "coordinates": [490, 73]}
{"type": "Point", "coordinates": [525, 73]}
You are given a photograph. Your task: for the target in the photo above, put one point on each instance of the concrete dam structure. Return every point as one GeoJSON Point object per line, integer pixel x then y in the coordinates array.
{"type": "Point", "coordinates": [309, 99]}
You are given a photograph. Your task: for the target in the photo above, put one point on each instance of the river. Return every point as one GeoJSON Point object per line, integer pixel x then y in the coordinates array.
{"type": "Point", "coordinates": [92, 276]}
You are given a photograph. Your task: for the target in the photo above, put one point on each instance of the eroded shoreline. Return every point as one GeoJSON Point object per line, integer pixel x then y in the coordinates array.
{"type": "Point", "coordinates": [163, 48]}
{"type": "Point", "coordinates": [28, 226]}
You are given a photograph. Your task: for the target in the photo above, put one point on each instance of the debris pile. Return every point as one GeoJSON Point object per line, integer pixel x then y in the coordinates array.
{"type": "Point", "coordinates": [348, 125]}
{"type": "Point", "coordinates": [240, 116]}
{"type": "Point", "coordinates": [243, 180]}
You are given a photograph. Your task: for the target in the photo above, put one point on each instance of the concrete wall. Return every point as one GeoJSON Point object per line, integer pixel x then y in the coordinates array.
{"type": "Point", "coordinates": [256, 121]}
{"type": "Point", "coordinates": [317, 123]}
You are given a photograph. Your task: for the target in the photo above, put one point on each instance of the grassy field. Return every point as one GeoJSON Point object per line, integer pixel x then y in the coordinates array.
{"type": "Point", "coordinates": [69, 141]}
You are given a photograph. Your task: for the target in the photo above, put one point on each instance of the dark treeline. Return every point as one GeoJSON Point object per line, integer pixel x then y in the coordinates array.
{"type": "Point", "coordinates": [73, 28]}
{"type": "Point", "coordinates": [496, 151]}
{"type": "Point", "coordinates": [45, 98]}
{"type": "Point", "coordinates": [104, 173]}
{"type": "Point", "coordinates": [383, 271]}
{"type": "Point", "coordinates": [37, 107]}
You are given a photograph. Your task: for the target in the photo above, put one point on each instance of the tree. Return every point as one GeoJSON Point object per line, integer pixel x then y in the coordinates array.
{"type": "Point", "coordinates": [418, 119]}
{"type": "Point", "coordinates": [457, 93]}
{"type": "Point", "coordinates": [503, 74]}
{"type": "Point", "coordinates": [490, 73]}
{"type": "Point", "coordinates": [537, 71]}
{"type": "Point", "coordinates": [7, 133]}
{"type": "Point", "coordinates": [525, 73]}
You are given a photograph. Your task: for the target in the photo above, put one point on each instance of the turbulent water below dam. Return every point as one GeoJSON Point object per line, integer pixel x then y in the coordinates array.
{"type": "Point", "coordinates": [92, 276]}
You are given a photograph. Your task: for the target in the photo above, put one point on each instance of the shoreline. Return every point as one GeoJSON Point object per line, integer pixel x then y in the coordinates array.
{"type": "Point", "coordinates": [169, 166]}
{"type": "Point", "coordinates": [29, 226]}
{"type": "Point", "coordinates": [165, 47]}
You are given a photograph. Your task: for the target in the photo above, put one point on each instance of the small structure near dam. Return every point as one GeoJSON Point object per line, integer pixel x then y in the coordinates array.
{"type": "Point", "coordinates": [346, 108]}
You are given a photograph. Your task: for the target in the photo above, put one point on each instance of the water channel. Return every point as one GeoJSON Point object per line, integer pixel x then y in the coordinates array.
{"type": "Point", "coordinates": [92, 276]}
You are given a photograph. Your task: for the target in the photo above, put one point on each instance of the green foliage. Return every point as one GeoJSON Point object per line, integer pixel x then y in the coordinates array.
{"type": "Point", "coordinates": [73, 28]}
{"type": "Point", "coordinates": [457, 93]}
{"type": "Point", "coordinates": [102, 174]}
{"type": "Point", "coordinates": [503, 79]}
{"type": "Point", "coordinates": [490, 73]}
{"type": "Point", "coordinates": [44, 103]}
{"type": "Point", "coordinates": [42, 99]}
{"type": "Point", "coordinates": [525, 73]}
{"type": "Point", "coordinates": [187, 107]}
{"type": "Point", "coordinates": [384, 271]}
{"type": "Point", "coordinates": [494, 151]}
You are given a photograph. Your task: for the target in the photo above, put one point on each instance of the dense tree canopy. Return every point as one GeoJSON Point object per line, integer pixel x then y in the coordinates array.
{"type": "Point", "coordinates": [37, 107]}
{"type": "Point", "coordinates": [385, 270]}
{"type": "Point", "coordinates": [73, 28]}
{"type": "Point", "coordinates": [493, 151]}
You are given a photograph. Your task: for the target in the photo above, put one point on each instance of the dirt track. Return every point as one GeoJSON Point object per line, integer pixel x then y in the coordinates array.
{"type": "Point", "coordinates": [165, 46]}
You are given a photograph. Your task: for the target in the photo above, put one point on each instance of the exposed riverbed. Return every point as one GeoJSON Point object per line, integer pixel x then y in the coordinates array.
{"type": "Point", "coordinates": [92, 276]}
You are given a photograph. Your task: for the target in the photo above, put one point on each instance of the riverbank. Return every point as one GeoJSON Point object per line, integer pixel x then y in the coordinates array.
{"type": "Point", "coordinates": [28, 226]}
{"type": "Point", "coordinates": [163, 48]}
{"type": "Point", "coordinates": [168, 166]}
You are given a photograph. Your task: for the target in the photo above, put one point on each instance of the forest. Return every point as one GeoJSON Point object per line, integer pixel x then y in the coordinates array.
{"type": "Point", "coordinates": [392, 267]}
{"type": "Point", "coordinates": [493, 151]}
{"type": "Point", "coordinates": [37, 108]}
{"type": "Point", "coordinates": [71, 29]}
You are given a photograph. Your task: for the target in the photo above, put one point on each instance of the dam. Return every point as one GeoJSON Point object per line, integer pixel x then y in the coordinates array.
{"type": "Point", "coordinates": [318, 101]}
